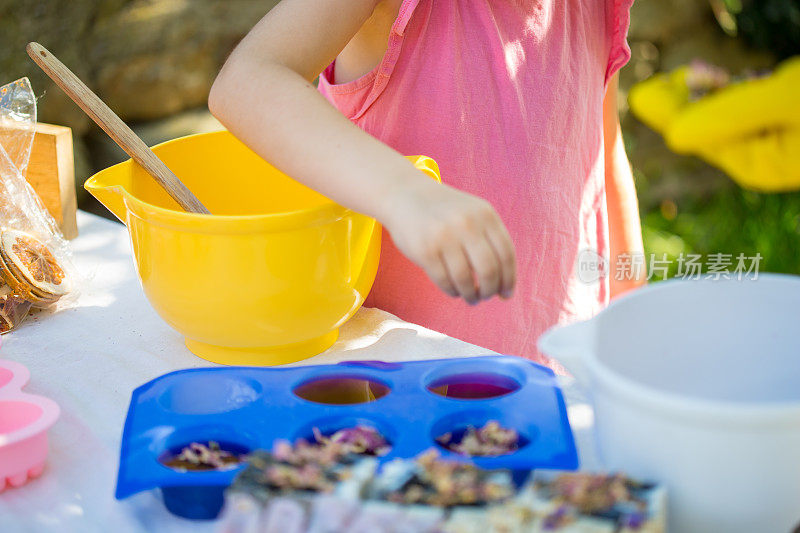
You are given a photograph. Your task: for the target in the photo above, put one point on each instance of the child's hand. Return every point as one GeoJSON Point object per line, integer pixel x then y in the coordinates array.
{"type": "Point", "coordinates": [457, 238]}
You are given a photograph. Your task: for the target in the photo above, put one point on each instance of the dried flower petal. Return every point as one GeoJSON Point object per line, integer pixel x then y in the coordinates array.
{"type": "Point", "coordinates": [199, 456]}
{"type": "Point", "coordinates": [490, 440]}
{"type": "Point", "coordinates": [448, 483]}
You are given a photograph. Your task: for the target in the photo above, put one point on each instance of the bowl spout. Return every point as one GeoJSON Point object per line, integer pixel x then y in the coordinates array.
{"type": "Point", "coordinates": [571, 346]}
{"type": "Point", "coordinates": [109, 192]}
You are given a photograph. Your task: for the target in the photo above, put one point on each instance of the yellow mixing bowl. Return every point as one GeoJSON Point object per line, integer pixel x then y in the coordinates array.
{"type": "Point", "coordinates": [269, 277]}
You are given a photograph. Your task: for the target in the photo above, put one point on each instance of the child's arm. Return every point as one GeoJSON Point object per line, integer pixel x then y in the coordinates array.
{"type": "Point", "coordinates": [624, 226]}
{"type": "Point", "coordinates": [265, 97]}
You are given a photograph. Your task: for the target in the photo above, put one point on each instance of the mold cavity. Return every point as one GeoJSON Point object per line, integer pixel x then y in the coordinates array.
{"type": "Point", "coordinates": [204, 456]}
{"type": "Point", "coordinates": [341, 390]}
{"type": "Point", "coordinates": [479, 433]}
{"type": "Point", "coordinates": [473, 386]}
{"type": "Point", "coordinates": [16, 415]}
{"type": "Point", "coordinates": [354, 432]}
{"type": "Point", "coordinates": [209, 393]}
{"type": "Point", "coordinates": [490, 440]}
{"type": "Point", "coordinates": [5, 376]}
{"type": "Point", "coordinates": [205, 447]}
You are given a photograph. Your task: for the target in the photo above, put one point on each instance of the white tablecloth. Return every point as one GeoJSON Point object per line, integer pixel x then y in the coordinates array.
{"type": "Point", "coordinates": [89, 358]}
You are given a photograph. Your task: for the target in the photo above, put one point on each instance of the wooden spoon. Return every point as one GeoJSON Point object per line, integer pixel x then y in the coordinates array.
{"type": "Point", "coordinates": [98, 111]}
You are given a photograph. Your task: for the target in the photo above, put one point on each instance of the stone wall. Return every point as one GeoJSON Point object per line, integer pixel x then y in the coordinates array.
{"type": "Point", "coordinates": [150, 60]}
{"type": "Point", "coordinates": [153, 62]}
{"type": "Point", "coordinates": [146, 58]}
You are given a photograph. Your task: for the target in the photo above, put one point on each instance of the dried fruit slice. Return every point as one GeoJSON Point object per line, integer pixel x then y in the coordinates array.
{"type": "Point", "coordinates": [31, 261]}
{"type": "Point", "coordinates": [22, 289]}
{"type": "Point", "coordinates": [40, 300]}
{"type": "Point", "coordinates": [11, 280]}
{"type": "Point", "coordinates": [17, 284]}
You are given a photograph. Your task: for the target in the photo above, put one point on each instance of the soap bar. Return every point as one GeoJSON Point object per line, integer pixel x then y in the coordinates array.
{"type": "Point", "coordinates": [396, 499]}
{"type": "Point", "coordinates": [581, 502]}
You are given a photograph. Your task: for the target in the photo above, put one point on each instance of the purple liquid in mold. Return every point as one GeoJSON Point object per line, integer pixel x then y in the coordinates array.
{"type": "Point", "coordinates": [473, 386]}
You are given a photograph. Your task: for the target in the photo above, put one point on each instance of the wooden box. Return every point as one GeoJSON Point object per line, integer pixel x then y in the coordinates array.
{"type": "Point", "coordinates": [51, 173]}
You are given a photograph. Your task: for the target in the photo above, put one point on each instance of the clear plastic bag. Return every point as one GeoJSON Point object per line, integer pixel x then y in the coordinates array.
{"type": "Point", "coordinates": [35, 258]}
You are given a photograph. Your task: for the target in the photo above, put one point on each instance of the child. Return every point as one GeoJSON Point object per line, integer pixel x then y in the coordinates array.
{"type": "Point", "coordinates": [515, 100]}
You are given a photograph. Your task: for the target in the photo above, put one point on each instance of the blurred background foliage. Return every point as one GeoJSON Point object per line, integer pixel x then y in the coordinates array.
{"type": "Point", "coordinates": [153, 61]}
{"type": "Point", "coordinates": [686, 205]}
{"type": "Point", "coordinates": [772, 25]}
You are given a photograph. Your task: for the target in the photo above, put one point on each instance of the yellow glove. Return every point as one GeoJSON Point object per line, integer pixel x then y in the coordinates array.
{"type": "Point", "coordinates": [749, 129]}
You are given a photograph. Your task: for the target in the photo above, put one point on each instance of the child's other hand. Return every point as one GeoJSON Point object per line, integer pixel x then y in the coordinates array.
{"type": "Point", "coordinates": [457, 238]}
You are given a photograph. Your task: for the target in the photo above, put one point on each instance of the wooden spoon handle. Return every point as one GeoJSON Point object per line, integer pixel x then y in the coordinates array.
{"type": "Point", "coordinates": [114, 127]}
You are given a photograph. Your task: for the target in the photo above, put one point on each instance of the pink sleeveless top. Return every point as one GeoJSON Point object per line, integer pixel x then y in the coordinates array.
{"type": "Point", "coordinates": [507, 96]}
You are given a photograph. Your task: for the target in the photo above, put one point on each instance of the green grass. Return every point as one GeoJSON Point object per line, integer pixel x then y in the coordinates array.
{"type": "Point", "coordinates": [732, 221]}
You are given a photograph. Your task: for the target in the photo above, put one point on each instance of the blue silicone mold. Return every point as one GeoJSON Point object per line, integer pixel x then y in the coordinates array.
{"type": "Point", "coordinates": [249, 408]}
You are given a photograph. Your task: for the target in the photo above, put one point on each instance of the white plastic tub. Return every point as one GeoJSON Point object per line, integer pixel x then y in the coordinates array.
{"type": "Point", "coordinates": [696, 384]}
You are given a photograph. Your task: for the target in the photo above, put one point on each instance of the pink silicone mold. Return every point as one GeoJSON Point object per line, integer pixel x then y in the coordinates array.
{"type": "Point", "coordinates": [24, 421]}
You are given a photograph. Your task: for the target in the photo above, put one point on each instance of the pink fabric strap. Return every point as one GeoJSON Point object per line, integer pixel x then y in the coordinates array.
{"type": "Point", "coordinates": [379, 76]}
{"type": "Point", "coordinates": [403, 16]}
{"type": "Point", "coordinates": [620, 52]}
